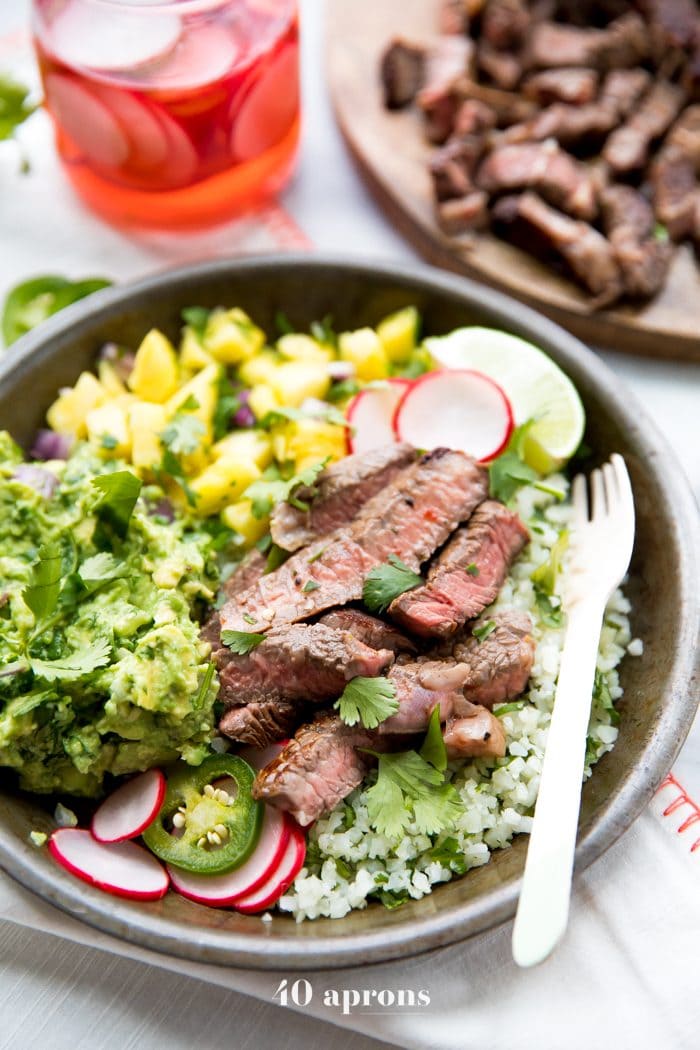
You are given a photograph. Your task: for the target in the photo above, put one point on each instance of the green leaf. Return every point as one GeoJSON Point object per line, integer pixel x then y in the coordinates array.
{"type": "Point", "coordinates": [31, 302]}
{"type": "Point", "coordinates": [101, 568]}
{"type": "Point", "coordinates": [660, 232]}
{"type": "Point", "coordinates": [504, 709]}
{"type": "Point", "coordinates": [317, 554]}
{"type": "Point", "coordinates": [385, 807]}
{"type": "Point", "coordinates": [119, 492]}
{"type": "Point", "coordinates": [507, 474]}
{"type": "Point", "coordinates": [367, 700]}
{"type": "Point", "coordinates": [227, 404]}
{"type": "Point", "coordinates": [276, 556]}
{"type": "Point", "coordinates": [484, 630]}
{"type": "Point", "coordinates": [41, 594]}
{"type": "Point", "coordinates": [108, 441]}
{"type": "Point", "coordinates": [285, 414]}
{"type": "Point", "coordinates": [433, 748]}
{"type": "Point", "coordinates": [310, 585]}
{"type": "Point", "coordinates": [545, 576]}
{"type": "Point", "coordinates": [203, 691]}
{"type": "Point", "coordinates": [183, 434]}
{"type": "Point", "coordinates": [271, 489]}
{"type": "Point", "coordinates": [550, 615]}
{"type": "Point", "coordinates": [437, 810]}
{"type": "Point", "coordinates": [472, 569]}
{"type": "Point", "coordinates": [241, 642]}
{"type": "Point", "coordinates": [14, 108]}
{"type": "Point", "coordinates": [74, 665]}
{"type": "Point", "coordinates": [449, 854]}
{"type": "Point", "coordinates": [386, 582]}
{"type": "Point", "coordinates": [392, 899]}
{"type": "Point", "coordinates": [408, 785]}
{"type": "Point", "coordinates": [283, 324]}
{"type": "Point", "coordinates": [197, 318]}
{"type": "Point", "coordinates": [324, 332]}
{"type": "Point", "coordinates": [343, 389]}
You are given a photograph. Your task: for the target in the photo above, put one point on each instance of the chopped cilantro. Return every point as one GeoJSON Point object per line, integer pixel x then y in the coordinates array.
{"type": "Point", "coordinates": [183, 434]}
{"type": "Point", "coordinates": [283, 324]}
{"type": "Point", "coordinates": [14, 107]}
{"type": "Point", "coordinates": [388, 581]}
{"type": "Point", "coordinates": [504, 709]}
{"type": "Point", "coordinates": [240, 642]}
{"type": "Point", "coordinates": [100, 568]}
{"type": "Point", "coordinates": [324, 332]}
{"type": "Point", "coordinates": [227, 404]}
{"type": "Point", "coordinates": [450, 855]}
{"type": "Point", "coordinates": [248, 618]}
{"type": "Point", "coordinates": [75, 664]}
{"type": "Point", "coordinates": [41, 594]}
{"type": "Point", "coordinates": [271, 489]}
{"type": "Point", "coordinates": [317, 554]}
{"type": "Point", "coordinates": [276, 556]}
{"type": "Point", "coordinates": [545, 576]}
{"type": "Point", "coordinates": [119, 492]}
{"type": "Point", "coordinates": [472, 569]}
{"type": "Point", "coordinates": [264, 543]}
{"type": "Point", "coordinates": [108, 441]}
{"type": "Point", "coordinates": [392, 899]}
{"type": "Point", "coordinates": [550, 615]}
{"type": "Point", "coordinates": [433, 748]}
{"type": "Point", "coordinates": [310, 585]}
{"type": "Point", "coordinates": [197, 318]}
{"type": "Point", "coordinates": [482, 632]}
{"type": "Point", "coordinates": [204, 688]}
{"type": "Point", "coordinates": [509, 471]}
{"type": "Point", "coordinates": [343, 389]}
{"type": "Point", "coordinates": [367, 700]}
{"type": "Point", "coordinates": [409, 787]}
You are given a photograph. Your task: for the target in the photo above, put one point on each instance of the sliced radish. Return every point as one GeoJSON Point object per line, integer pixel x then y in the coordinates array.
{"type": "Point", "coordinates": [371, 413]}
{"type": "Point", "coordinates": [206, 53]}
{"type": "Point", "coordinates": [460, 409]}
{"type": "Point", "coordinates": [148, 142]}
{"type": "Point", "coordinates": [130, 809]}
{"type": "Point", "coordinates": [94, 37]}
{"type": "Point", "coordinates": [268, 110]}
{"type": "Point", "coordinates": [87, 121]}
{"type": "Point", "coordinates": [121, 868]}
{"type": "Point", "coordinates": [221, 890]}
{"type": "Point", "coordinates": [259, 757]}
{"type": "Point", "coordinates": [281, 879]}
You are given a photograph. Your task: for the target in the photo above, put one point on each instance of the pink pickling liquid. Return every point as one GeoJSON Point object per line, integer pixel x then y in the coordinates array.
{"type": "Point", "coordinates": [171, 115]}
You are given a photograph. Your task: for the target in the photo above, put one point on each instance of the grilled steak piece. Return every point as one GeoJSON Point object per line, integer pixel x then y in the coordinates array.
{"type": "Point", "coordinates": [448, 59]}
{"type": "Point", "coordinates": [505, 23]}
{"type": "Point", "coordinates": [263, 722]}
{"type": "Point", "coordinates": [420, 686]}
{"type": "Point", "coordinates": [478, 734]}
{"type": "Point", "coordinates": [575, 86]}
{"type": "Point", "coordinates": [624, 42]}
{"type": "Point", "coordinates": [502, 68]}
{"type": "Point", "coordinates": [339, 493]}
{"type": "Point", "coordinates": [317, 769]}
{"type": "Point", "coordinates": [467, 575]}
{"type": "Point", "coordinates": [454, 17]}
{"type": "Point", "coordinates": [401, 71]}
{"type": "Point", "coordinates": [453, 165]}
{"type": "Point", "coordinates": [675, 21]}
{"type": "Point", "coordinates": [628, 221]}
{"type": "Point", "coordinates": [470, 212]}
{"type": "Point", "coordinates": [674, 174]}
{"type": "Point", "coordinates": [474, 117]}
{"type": "Point", "coordinates": [544, 167]}
{"type": "Point", "coordinates": [410, 518]}
{"type": "Point", "coordinates": [509, 106]}
{"type": "Point", "coordinates": [531, 224]}
{"type": "Point", "coordinates": [249, 570]}
{"type": "Point", "coordinates": [622, 89]}
{"type": "Point", "coordinates": [627, 148]}
{"type": "Point", "coordinates": [298, 661]}
{"type": "Point", "coordinates": [500, 664]}
{"type": "Point", "coordinates": [368, 629]}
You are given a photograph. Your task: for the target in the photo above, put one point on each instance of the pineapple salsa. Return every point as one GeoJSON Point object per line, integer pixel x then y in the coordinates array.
{"type": "Point", "coordinates": [158, 473]}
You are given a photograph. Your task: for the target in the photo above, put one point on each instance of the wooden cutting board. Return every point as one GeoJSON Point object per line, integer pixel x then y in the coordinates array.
{"type": "Point", "coordinates": [391, 152]}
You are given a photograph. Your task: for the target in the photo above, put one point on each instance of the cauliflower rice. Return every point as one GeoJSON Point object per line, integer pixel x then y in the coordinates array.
{"type": "Point", "coordinates": [349, 864]}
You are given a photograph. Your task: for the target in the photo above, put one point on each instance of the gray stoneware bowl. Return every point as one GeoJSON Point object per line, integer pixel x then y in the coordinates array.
{"type": "Point", "coordinates": [660, 694]}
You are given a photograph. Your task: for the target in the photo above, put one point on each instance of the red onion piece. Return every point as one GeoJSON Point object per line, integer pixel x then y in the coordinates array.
{"type": "Point", "coordinates": [121, 360]}
{"type": "Point", "coordinates": [243, 417]}
{"type": "Point", "coordinates": [50, 445]}
{"type": "Point", "coordinates": [42, 481]}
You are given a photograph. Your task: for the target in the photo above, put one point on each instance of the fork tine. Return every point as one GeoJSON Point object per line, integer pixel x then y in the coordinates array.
{"type": "Point", "coordinates": [599, 507]}
{"type": "Point", "coordinates": [624, 484]}
{"type": "Point", "coordinates": [612, 492]}
{"type": "Point", "coordinates": [579, 498]}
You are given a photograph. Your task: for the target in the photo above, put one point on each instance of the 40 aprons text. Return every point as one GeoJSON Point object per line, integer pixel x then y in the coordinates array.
{"type": "Point", "coordinates": [301, 993]}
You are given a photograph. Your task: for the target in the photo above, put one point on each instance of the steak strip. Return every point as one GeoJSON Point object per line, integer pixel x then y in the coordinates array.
{"type": "Point", "coordinates": [544, 167]}
{"type": "Point", "coordinates": [628, 220]}
{"type": "Point", "coordinates": [368, 629]}
{"type": "Point", "coordinates": [500, 664]}
{"type": "Point", "coordinates": [467, 575]}
{"type": "Point", "coordinates": [627, 149]}
{"type": "Point", "coordinates": [410, 519]}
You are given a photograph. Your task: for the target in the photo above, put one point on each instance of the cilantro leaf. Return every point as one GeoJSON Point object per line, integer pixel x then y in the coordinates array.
{"type": "Point", "coordinates": [507, 474]}
{"type": "Point", "coordinates": [283, 324]}
{"type": "Point", "coordinates": [75, 664]}
{"type": "Point", "coordinates": [310, 585]}
{"type": "Point", "coordinates": [285, 413]}
{"type": "Point", "coordinates": [41, 594]}
{"type": "Point", "coordinates": [241, 642]}
{"type": "Point", "coordinates": [450, 855]}
{"type": "Point", "coordinates": [437, 810]}
{"type": "Point", "coordinates": [472, 569]}
{"type": "Point", "coordinates": [204, 688]}
{"type": "Point", "coordinates": [196, 317]}
{"type": "Point", "coordinates": [550, 615]}
{"type": "Point", "coordinates": [100, 568]}
{"type": "Point", "coordinates": [276, 556]}
{"type": "Point", "coordinates": [367, 700]}
{"type": "Point", "coordinates": [323, 331]}
{"type": "Point", "coordinates": [386, 582]}
{"type": "Point", "coordinates": [482, 632]}
{"type": "Point", "coordinates": [504, 709]}
{"type": "Point", "coordinates": [228, 403]}
{"type": "Point", "coordinates": [271, 489]}
{"type": "Point", "coordinates": [108, 441]}
{"type": "Point", "coordinates": [119, 492]}
{"type": "Point", "coordinates": [385, 806]}
{"type": "Point", "coordinates": [408, 785]}
{"type": "Point", "coordinates": [433, 747]}
{"type": "Point", "coordinates": [343, 389]}
{"type": "Point", "coordinates": [14, 108]}
{"type": "Point", "coordinates": [183, 433]}
{"type": "Point", "coordinates": [545, 576]}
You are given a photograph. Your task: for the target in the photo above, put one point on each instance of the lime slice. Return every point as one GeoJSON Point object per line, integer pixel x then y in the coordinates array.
{"type": "Point", "coordinates": [536, 387]}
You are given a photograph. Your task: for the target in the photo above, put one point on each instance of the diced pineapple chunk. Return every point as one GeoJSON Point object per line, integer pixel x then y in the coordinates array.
{"type": "Point", "coordinates": [366, 352]}
{"type": "Point", "coordinates": [198, 396]}
{"type": "Point", "coordinates": [298, 347]}
{"type": "Point", "coordinates": [222, 482]}
{"type": "Point", "coordinates": [109, 379]}
{"type": "Point", "coordinates": [108, 428]}
{"type": "Point", "coordinates": [231, 336]}
{"type": "Point", "coordinates": [239, 517]}
{"type": "Point", "coordinates": [147, 421]}
{"type": "Point", "coordinates": [398, 334]}
{"type": "Point", "coordinates": [155, 375]}
{"type": "Point", "coordinates": [293, 382]}
{"type": "Point", "coordinates": [69, 411]}
{"type": "Point", "coordinates": [308, 441]}
{"type": "Point", "coordinates": [193, 356]}
{"type": "Point", "coordinates": [255, 445]}
{"type": "Point", "coordinates": [262, 400]}
{"type": "Point", "coordinates": [259, 368]}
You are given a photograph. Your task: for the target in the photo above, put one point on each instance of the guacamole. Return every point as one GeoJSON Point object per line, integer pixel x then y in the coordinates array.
{"type": "Point", "coordinates": [102, 669]}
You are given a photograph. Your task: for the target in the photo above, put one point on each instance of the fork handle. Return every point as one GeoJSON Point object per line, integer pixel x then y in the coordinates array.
{"type": "Point", "coordinates": [543, 907]}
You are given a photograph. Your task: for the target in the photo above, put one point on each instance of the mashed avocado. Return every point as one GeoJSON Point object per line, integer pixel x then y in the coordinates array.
{"type": "Point", "coordinates": [107, 674]}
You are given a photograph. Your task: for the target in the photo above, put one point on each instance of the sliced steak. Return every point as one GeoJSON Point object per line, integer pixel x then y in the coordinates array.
{"type": "Point", "coordinates": [500, 665]}
{"type": "Point", "coordinates": [553, 237]}
{"type": "Point", "coordinates": [462, 214]}
{"type": "Point", "coordinates": [452, 166]}
{"type": "Point", "coordinates": [622, 90]}
{"type": "Point", "coordinates": [544, 167]}
{"type": "Point", "coordinates": [263, 722]}
{"type": "Point", "coordinates": [420, 686]}
{"type": "Point", "coordinates": [477, 734]}
{"type": "Point", "coordinates": [502, 68]}
{"type": "Point", "coordinates": [338, 495]}
{"type": "Point", "coordinates": [509, 106]}
{"type": "Point", "coordinates": [628, 221]}
{"type": "Point", "coordinates": [574, 86]}
{"type": "Point", "coordinates": [249, 570]}
{"type": "Point", "coordinates": [467, 575]}
{"type": "Point", "coordinates": [505, 24]}
{"type": "Point", "coordinates": [676, 21]}
{"type": "Point", "coordinates": [448, 59]}
{"type": "Point", "coordinates": [411, 518]}
{"type": "Point", "coordinates": [624, 42]}
{"type": "Point", "coordinates": [368, 629]}
{"type": "Point", "coordinates": [298, 662]}
{"type": "Point", "coordinates": [674, 174]}
{"type": "Point", "coordinates": [317, 769]}
{"type": "Point", "coordinates": [474, 117]}
{"type": "Point", "coordinates": [402, 68]}
{"type": "Point", "coordinates": [627, 148]}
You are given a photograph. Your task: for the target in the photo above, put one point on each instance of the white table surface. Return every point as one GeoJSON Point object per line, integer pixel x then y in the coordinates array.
{"type": "Point", "coordinates": [62, 996]}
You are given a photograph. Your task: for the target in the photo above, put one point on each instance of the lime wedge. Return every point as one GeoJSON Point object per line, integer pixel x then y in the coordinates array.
{"type": "Point", "coordinates": [536, 387]}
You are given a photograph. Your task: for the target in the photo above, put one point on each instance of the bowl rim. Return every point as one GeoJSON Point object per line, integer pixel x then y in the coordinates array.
{"type": "Point", "coordinates": [119, 917]}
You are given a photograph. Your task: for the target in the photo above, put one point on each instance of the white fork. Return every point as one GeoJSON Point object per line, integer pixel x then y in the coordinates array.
{"type": "Point", "coordinates": [600, 550]}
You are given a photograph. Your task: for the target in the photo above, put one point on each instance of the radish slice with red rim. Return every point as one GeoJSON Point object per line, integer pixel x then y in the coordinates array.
{"type": "Point", "coordinates": [93, 37]}
{"type": "Point", "coordinates": [130, 809]}
{"type": "Point", "coordinates": [87, 121]}
{"type": "Point", "coordinates": [458, 409]}
{"type": "Point", "coordinates": [222, 890]}
{"type": "Point", "coordinates": [290, 864]}
{"type": "Point", "coordinates": [259, 757]}
{"type": "Point", "coordinates": [121, 868]}
{"type": "Point", "coordinates": [371, 413]}
{"type": "Point", "coordinates": [268, 110]}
